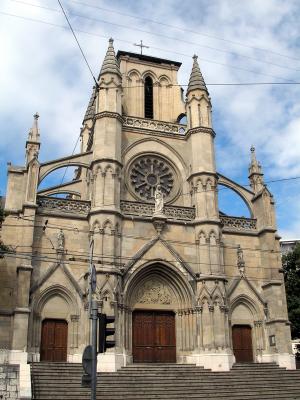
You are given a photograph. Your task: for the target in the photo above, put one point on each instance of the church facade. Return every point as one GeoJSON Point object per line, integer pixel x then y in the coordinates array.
{"type": "Point", "coordinates": [185, 282]}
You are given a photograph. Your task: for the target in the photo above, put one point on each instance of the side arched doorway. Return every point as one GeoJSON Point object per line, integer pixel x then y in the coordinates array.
{"type": "Point", "coordinates": [54, 340]}
{"type": "Point", "coordinates": [242, 343]}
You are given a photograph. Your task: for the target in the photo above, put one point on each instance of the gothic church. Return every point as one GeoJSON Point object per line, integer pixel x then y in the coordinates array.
{"type": "Point", "coordinates": [185, 282]}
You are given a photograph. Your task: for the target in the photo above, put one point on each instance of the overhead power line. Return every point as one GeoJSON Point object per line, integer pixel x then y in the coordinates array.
{"type": "Point", "coordinates": [75, 37]}
{"type": "Point", "coordinates": [153, 47]}
{"type": "Point", "coordinates": [162, 35]}
{"type": "Point", "coordinates": [186, 30]}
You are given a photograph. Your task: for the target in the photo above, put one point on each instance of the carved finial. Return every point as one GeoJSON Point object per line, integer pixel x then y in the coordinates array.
{"type": "Point", "coordinates": [255, 172]}
{"type": "Point", "coordinates": [36, 116]}
{"type": "Point", "coordinates": [195, 57]}
{"type": "Point", "coordinates": [240, 260]}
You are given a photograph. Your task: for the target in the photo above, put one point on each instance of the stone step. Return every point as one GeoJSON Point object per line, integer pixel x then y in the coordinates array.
{"type": "Point", "coordinates": [62, 381]}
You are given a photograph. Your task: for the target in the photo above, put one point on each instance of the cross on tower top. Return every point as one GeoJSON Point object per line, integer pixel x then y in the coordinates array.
{"type": "Point", "coordinates": [141, 45]}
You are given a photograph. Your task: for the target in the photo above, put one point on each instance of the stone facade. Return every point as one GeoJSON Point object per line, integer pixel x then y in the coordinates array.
{"type": "Point", "coordinates": [211, 270]}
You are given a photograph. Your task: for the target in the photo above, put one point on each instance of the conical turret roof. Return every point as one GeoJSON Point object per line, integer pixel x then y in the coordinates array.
{"type": "Point", "coordinates": [110, 63]}
{"type": "Point", "coordinates": [90, 111]}
{"type": "Point", "coordinates": [196, 79]}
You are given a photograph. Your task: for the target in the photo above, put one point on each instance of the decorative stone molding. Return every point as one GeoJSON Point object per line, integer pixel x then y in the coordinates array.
{"type": "Point", "coordinates": [64, 205]}
{"type": "Point", "coordinates": [159, 223]}
{"type": "Point", "coordinates": [154, 292]}
{"type": "Point", "coordinates": [153, 125]}
{"type": "Point", "coordinates": [201, 129]}
{"type": "Point", "coordinates": [238, 223]}
{"type": "Point", "coordinates": [147, 210]}
{"type": "Point", "coordinates": [108, 114]}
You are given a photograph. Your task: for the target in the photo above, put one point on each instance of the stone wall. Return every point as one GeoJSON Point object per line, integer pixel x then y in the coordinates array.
{"type": "Point", "coordinates": [9, 378]}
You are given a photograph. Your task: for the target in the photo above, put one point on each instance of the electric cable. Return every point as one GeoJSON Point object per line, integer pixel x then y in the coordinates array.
{"type": "Point", "coordinates": [161, 35]}
{"type": "Point", "coordinates": [157, 48]}
{"type": "Point", "coordinates": [75, 37]}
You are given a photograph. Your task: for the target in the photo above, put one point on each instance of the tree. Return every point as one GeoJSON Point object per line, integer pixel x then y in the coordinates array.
{"type": "Point", "coordinates": [291, 268]}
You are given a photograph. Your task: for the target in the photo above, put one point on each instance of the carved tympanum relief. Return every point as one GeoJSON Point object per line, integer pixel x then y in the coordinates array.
{"type": "Point", "coordinates": [154, 292]}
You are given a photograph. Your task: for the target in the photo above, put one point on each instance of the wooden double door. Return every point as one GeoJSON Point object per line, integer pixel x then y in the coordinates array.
{"type": "Point", "coordinates": [242, 343]}
{"type": "Point", "coordinates": [54, 340]}
{"type": "Point", "coordinates": [153, 337]}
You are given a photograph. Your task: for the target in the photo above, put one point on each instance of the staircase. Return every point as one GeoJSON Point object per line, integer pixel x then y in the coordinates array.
{"type": "Point", "coordinates": [62, 381]}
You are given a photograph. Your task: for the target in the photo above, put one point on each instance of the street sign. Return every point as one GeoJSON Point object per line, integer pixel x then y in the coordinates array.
{"type": "Point", "coordinates": [87, 359]}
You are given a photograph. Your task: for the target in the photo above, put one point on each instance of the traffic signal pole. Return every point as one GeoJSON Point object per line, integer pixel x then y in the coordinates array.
{"type": "Point", "coordinates": [93, 307]}
{"type": "Point", "coordinates": [94, 317]}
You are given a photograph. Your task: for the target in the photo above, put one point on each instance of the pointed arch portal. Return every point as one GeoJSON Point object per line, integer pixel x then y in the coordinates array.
{"type": "Point", "coordinates": [159, 298]}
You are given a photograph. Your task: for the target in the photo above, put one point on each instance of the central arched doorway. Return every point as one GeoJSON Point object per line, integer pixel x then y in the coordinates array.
{"type": "Point", "coordinates": [153, 336]}
{"type": "Point", "coordinates": [159, 324]}
{"type": "Point", "coordinates": [54, 340]}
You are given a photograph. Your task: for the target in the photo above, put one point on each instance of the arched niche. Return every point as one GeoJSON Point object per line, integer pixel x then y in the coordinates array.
{"type": "Point", "coordinates": [233, 203]}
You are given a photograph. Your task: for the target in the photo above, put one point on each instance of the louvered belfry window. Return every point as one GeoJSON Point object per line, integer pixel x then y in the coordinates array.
{"type": "Point", "coordinates": [148, 97]}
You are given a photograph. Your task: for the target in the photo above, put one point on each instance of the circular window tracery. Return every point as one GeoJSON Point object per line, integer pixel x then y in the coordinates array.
{"type": "Point", "coordinates": [146, 172]}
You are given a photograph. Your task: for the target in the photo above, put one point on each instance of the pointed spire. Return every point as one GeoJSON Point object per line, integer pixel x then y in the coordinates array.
{"type": "Point", "coordinates": [255, 166]}
{"type": "Point", "coordinates": [90, 111]}
{"type": "Point", "coordinates": [255, 172]}
{"type": "Point", "coordinates": [34, 133]}
{"type": "Point", "coordinates": [110, 63]}
{"type": "Point", "coordinates": [196, 79]}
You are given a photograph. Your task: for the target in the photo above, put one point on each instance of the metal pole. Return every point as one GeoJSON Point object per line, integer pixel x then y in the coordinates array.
{"type": "Point", "coordinates": [94, 349]}
{"type": "Point", "coordinates": [93, 308]}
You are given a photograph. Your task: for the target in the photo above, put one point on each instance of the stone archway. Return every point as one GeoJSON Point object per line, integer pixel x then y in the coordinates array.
{"type": "Point", "coordinates": [163, 294]}
{"type": "Point", "coordinates": [55, 303]}
{"type": "Point", "coordinates": [246, 320]}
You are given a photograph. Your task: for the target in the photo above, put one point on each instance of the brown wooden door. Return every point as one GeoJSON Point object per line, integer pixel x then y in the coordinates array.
{"type": "Point", "coordinates": [242, 343]}
{"type": "Point", "coordinates": [54, 340]}
{"type": "Point", "coordinates": [153, 336]}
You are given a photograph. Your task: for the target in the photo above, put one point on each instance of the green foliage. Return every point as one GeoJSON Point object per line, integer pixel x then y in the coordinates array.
{"type": "Point", "coordinates": [291, 267]}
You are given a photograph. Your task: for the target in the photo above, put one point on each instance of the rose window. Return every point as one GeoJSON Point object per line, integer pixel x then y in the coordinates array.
{"type": "Point", "coordinates": [147, 172]}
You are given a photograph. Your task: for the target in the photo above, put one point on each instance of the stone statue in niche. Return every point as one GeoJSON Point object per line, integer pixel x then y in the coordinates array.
{"type": "Point", "coordinates": [240, 260]}
{"type": "Point", "coordinates": [154, 292]}
{"type": "Point", "coordinates": [159, 201]}
{"type": "Point", "coordinates": [60, 240]}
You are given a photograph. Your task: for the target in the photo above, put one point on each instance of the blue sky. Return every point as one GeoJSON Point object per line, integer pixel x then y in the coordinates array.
{"type": "Point", "coordinates": [237, 42]}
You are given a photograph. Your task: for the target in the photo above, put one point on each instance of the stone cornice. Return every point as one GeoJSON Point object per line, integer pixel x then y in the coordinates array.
{"type": "Point", "coordinates": [27, 268]}
{"type": "Point", "coordinates": [278, 321]}
{"type": "Point", "coordinates": [155, 127]}
{"type": "Point", "coordinates": [272, 283]}
{"type": "Point", "coordinates": [109, 114]}
{"type": "Point", "coordinates": [267, 229]}
{"type": "Point", "coordinates": [110, 160]}
{"type": "Point", "coordinates": [203, 173]}
{"type": "Point", "coordinates": [200, 129]}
